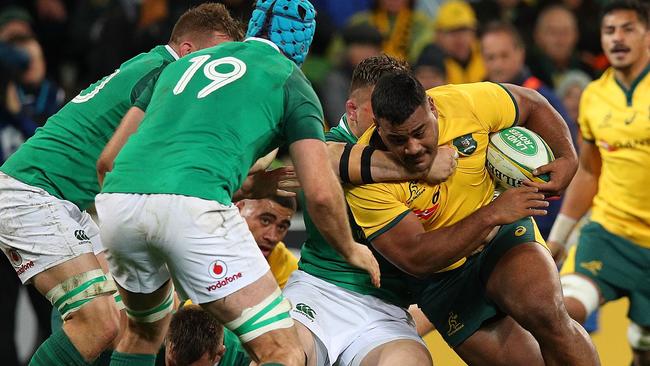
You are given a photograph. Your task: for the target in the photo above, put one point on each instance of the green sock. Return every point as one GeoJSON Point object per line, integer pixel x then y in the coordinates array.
{"type": "Point", "coordinates": [132, 359]}
{"type": "Point", "coordinates": [57, 350]}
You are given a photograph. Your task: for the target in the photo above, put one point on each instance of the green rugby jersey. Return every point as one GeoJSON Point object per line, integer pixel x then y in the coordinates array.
{"type": "Point", "coordinates": [211, 115]}
{"type": "Point", "coordinates": [61, 157]}
{"type": "Point", "coordinates": [319, 259]}
{"type": "Point", "coordinates": [235, 354]}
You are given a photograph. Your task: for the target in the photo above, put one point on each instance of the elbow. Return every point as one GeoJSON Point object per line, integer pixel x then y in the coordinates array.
{"type": "Point", "coordinates": [321, 200]}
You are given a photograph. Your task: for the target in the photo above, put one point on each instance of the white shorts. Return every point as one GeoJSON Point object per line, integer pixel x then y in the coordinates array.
{"type": "Point", "coordinates": [39, 231]}
{"type": "Point", "coordinates": [348, 324]}
{"type": "Point", "coordinates": [205, 246]}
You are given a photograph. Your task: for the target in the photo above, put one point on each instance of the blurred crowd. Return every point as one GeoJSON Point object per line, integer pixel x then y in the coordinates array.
{"type": "Point", "coordinates": [51, 49]}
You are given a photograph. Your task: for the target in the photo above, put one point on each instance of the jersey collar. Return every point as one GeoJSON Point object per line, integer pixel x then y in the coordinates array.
{"type": "Point", "coordinates": [630, 92]}
{"type": "Point", "coordinates": [171, 52]}
{"type": "Point", "coordinates": [263, 41]}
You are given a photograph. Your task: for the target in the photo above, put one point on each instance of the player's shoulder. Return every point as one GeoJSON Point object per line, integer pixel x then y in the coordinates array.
{"type": "Point", "coordinates": [146, 62]}
{"type": "Point", "coordinates": [604, 82]}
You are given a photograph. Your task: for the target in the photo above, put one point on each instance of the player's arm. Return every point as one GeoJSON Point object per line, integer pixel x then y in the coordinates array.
{"type": "Point", "coordinates": [423, 253]}
{"type": "Point", "coordinates": [360, 164]}
{"type": "Point", "coordinates": [578, 199]}
{"type": "Point", "coordinates": [537, 114]}
{"type": "Point", "coordinates": [129, 124]}
{"type": "Point", "coordinates": [326, 205]}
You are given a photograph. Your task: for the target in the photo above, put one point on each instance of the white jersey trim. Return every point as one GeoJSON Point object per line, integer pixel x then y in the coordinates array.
{"type": "Point", "coordinates": [264, 41]}
{"type": "Point", "coordinates": [172, 52]}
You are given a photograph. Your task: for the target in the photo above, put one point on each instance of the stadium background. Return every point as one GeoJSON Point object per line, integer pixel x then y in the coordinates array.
{"type": "Point", "coordinates": [82, 40]}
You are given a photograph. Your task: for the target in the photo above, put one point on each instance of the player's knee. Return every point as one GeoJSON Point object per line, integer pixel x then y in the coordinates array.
{"type": "Point", "coordinates": [583, 292]}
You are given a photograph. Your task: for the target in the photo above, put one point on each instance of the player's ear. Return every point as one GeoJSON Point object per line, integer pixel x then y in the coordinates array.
{"type": "Point", "coordinates": [220, 351]}
{"type": "Point", "coordinates": [432, 106]}
{"type": "Point", "coordinates": [240, 205]}
{"type": "Point", "coordinates": [351, 110]}
{"type": "Point", "coordinates": [185, 49]}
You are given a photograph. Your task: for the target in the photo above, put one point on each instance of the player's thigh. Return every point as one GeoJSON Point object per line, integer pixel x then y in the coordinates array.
{"type": "Point", "coordinates": [133, 253]}
{"type": "Point", "coordinates": [403, 352]}
{"type": "Point", "coordinates": [502, 342]}
{"type": "Point", "coordinates": [39, 231]}
{"type": "Point", "coordinates": [309, 345]}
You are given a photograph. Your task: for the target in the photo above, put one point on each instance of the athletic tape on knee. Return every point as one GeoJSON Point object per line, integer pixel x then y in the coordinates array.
{"type": "Point", "coordinates": [270, 314]}
{"type": "Point", "coordinates": [116, 295]}
{"type": "Point", "coordinates": [78, 290]}
{"type": "Point", "coordinates": [155, 313]}
{"type": "Point", "coordinates": [581, 289]}
{"type": "Point", "coordinates": [639, 337]}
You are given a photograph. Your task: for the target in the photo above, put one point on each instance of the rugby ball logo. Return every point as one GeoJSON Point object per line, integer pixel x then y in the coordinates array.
{"type": "Point", "coordinates": [513, 154]}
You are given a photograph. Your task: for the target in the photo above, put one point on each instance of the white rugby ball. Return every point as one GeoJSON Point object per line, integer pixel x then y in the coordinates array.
{"type": "Point", "coordinates": [513, 154]}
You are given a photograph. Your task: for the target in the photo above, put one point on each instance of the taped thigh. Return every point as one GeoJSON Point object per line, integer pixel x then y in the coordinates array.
{"type": "Point", "coordinates": [78, 290]}
{"type": "Point", "coordinates": [270, 314]}
{"type": "Point", "coordinates": [581, 289]}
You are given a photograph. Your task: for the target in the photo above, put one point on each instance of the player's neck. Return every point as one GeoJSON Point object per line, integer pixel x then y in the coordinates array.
{"type": "Point", "coordinates": [628, 75]}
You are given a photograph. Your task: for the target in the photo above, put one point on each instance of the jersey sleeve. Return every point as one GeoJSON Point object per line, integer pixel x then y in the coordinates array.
{"type": "Point", "coordinates": [583, 121]}
{"type": "Point", "coordinates": [303, 112]}
{"type": "Point", "coordinates": [376, 208]}
{"type": "Point", "coordinates": [492, 104]}
{"type": "Point", "coordinates": [143, 89]}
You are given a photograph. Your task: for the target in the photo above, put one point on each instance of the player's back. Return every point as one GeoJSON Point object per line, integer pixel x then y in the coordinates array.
{"type": "Point", "coordinates": [60, 158]}
{"type": "Point", "coordinates": [211, 115]}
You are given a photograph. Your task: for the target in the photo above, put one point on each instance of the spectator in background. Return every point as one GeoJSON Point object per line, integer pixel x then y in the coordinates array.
{"type": "Point", "coordinates": [456, 37]}
{"type": "Point", "coordinates": [268, 220]}
{"type": "Point", "coordinates": [361, 41]}
{"type": "Point", "coordinates": [430, 68]}
{"type": "Point", "coordinates": [520, 13]}
{"type": "Point", "coordinates": [405, 31]}
{"type": "Point", "coordinates": [14, 21]}
{"type": "Point", "coordinates": [554, 54]}
{"type": "Point", "coordinates": [569, 90]}
{"type": "Point", "coordinates": [39, 97]}
{"type": "Point", "coordinates": [504, 54]}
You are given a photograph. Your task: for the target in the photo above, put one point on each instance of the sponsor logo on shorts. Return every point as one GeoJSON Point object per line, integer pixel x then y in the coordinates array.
{"type": "Point", "coordinates": [25, 267]}
{"type": "Point", "coordinates": [305, 310]}
{"type": "Point", "coordinates": [218, 269]}
{"type": "Point", "coordinates": [454, 324]}
{"type": "Point", "coordinates": [81, 236]}
{"type": "Point", "coordinates": [14, 257]}
{"type": "Point", "coordinates": [520, 230]}
{"type": "Point", "coordinates": [594, 266]}
{"type": "Point", "coordinates": [226, 281]}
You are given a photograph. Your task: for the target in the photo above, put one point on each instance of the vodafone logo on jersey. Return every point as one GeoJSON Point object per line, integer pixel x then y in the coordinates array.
{"type": "Point", "coordinates": [219, 270]}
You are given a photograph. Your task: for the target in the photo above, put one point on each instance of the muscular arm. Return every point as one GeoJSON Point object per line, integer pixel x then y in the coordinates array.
{"type": "Point", "coordinates": [536, 114]}
{"type": "Point", "coordinates": [384, 166]}
{"type": "Point", "coordinates": [580, 194]}
{"type": "Point", "coordinates": [129, 124]}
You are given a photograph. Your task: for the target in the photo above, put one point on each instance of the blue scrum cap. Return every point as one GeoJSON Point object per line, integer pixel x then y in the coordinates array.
{"type": "Point", "coordinates": [290, 24]}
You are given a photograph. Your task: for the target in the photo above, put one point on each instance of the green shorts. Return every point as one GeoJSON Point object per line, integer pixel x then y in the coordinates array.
{"type": "Point", "coordinates": [619, 268]}
{"type": "Point", "coordinates": [455, 301]}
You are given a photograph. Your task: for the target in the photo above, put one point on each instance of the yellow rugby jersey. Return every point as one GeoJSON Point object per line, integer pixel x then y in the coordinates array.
{"type": "Point", "coordinates": [282, 263]}
{"type": "Point", "coordinates": [467, 114]}
{"type": "Point", "coordinates": [618, 122]}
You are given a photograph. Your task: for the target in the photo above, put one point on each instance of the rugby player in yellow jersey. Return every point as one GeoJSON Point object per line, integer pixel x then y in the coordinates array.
{"type": "Point", "coordinates": [502, 305]}
{"type": "Point", "coordinates": [268, 220]}
{"type": "Point", "coordinates": [612, 258]}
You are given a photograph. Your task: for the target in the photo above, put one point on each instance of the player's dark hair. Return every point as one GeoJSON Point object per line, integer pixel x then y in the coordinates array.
{"type": "Point", "coordinates": [288, 202]}
{"type": "Point", "coordinates": [205, 19]}
{"type": "Point", "coordinates": [193, 332]}
{"type": "Point", "coordinates": [370, 70]}
{"type": "Point", "coordinates": [639, 7]}
{"type": "Point", "coordinates": [396, 97]}
{"type": "Point", "coordinates": [504, 27]}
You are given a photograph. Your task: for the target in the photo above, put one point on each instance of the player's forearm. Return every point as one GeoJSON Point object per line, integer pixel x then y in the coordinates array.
{"type": "Point", "coordinates": [127, 127]}
{"type": "Point", "coordinates": [443, 247]}
{"type": "Point", "coordinates": [382, 166]}
{"type": "Point", "coordinates": [580, 194]}
{"type": "Point", "coordinates": [327, 207]}
{"type": "Point", "coordinates": [543, 119]}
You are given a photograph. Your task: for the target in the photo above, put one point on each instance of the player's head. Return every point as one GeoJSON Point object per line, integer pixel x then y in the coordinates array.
{"type": "Point", "coordinates": [624, 33]}
{"type": "Point", "coordinates": [364, 78]}
{"type": "Point", "coordinates": [204, 26]}
{"type": "Point", "coordinates": [290, 24]}
{"type": "Point", "coordinates": [195, 337]}
{"type": "Point", "coordinates": [503, 52]}
{"type": "Point", "coordinates": [406, 119]}
{"type": "Point", "coordinates": [268, 219]}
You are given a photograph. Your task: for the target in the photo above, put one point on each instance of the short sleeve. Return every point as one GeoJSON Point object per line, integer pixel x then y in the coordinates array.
{"type": "Point", "coordinates": [375, 207]}
{"type": "Point", "coordinates": [303, 118]}
{"type": "Point", "coordinates": [493, 105]}
{"type": "Point", "coordinates": [583, 120]}
{"type": "Point", "coordinates": [143, 89]}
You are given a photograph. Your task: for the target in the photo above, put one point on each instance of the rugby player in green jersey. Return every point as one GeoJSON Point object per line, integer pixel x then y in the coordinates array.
{"type": "Point", "coordinates": [166, 206]}
{"type": "Point", "coordinates": [49, 182]}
